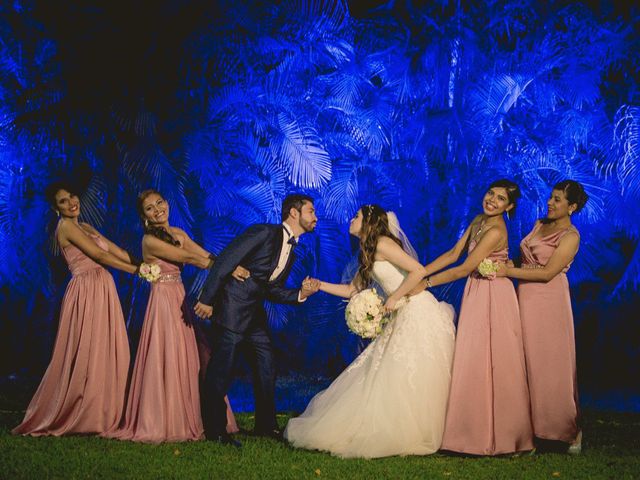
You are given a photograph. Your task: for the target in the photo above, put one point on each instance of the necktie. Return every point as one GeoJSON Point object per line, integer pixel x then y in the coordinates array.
{"type": "Point", "coordinates": [292, 241]}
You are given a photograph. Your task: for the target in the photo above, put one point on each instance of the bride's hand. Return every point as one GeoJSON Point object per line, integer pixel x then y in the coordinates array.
{"type": "Point", "coordinates": [418, 288]}
{"type": "Point", "coordinates": [390, 305]}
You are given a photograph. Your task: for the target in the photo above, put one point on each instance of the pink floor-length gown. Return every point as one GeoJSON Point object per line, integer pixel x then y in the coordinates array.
{"type": "Point", "coordinates": [83, 389]}
{"type": "Point", "coordinates": [549, 342]}
{"type": "Point", "coordinates": [488, 411]}
{"type": "Point", "coordinates": [164, 396]}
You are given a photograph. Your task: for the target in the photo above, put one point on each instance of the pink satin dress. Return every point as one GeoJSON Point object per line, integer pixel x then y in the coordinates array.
{"type": "Point", "coordinates": [164, 396]}
{"type": "Point", "coordinates": [549, 342]}
{"type": "Point", "coordinates": [83, 389]}
{"type": "Point", "coordinates": [488, 410]}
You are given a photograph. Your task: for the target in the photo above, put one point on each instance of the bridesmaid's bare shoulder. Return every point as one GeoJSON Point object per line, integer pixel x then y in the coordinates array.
{"type": "Point", "coordinates": [179, 234]}
{"type": "Point", "coordinates": [477, 219]}
{"type": "Point", "coordinates": [572, 235]}
{"type": "Point", "coordinates": [89, 228]}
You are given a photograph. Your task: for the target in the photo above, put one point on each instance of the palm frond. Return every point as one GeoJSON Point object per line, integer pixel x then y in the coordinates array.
{"type": "Point", "coordinates": [92, 202]}
{"type": "Point", "coordinates": [302, 153]}
{"type": "Point", "coordinates": [340, 197]}
{"type": "Point", "coordinates": [627, 142]}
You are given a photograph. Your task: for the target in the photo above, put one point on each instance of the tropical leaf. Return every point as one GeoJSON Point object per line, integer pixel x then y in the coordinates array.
{"type": "Point", "coordinates": [407, 104]}
{"type": "Point", "coordinates": [627, 142]}
{"type": "Point", "coordinates": [341, 195]}
{"type": "Point", "coordinates": [301, 153]}
{"type": "Point", "coordinates": [93, 203]}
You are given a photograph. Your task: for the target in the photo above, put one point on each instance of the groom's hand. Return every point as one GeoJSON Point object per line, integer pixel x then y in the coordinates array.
{"type": "Point", "coordinates": [202, 310]}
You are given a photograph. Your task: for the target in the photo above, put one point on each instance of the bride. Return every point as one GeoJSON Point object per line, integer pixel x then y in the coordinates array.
{"type": "Point", "coordinates": [392, 399]}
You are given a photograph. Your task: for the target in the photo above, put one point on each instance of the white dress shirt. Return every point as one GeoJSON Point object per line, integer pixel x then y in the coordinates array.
{"type": "Point", "coordinates": [285, 253]}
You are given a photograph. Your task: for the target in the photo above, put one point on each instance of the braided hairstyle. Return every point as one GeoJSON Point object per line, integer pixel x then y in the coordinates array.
{"type": "Point", "coordinates": [375, 224]}
{"type": "Point", "coordinates": [157, 232]}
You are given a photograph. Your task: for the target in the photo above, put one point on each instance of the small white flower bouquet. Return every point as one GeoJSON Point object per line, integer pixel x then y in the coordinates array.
{"type": "Point", "coordinates": [149, 272]}
{"type": "Point", "coordinates": [488, 268]}
{"type": "Point", "coordinates": [365, 314]}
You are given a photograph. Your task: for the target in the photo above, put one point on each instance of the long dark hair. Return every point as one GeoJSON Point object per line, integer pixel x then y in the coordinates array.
{"type": "Point", "coordinates": [375, 224]}
{"type": "Point", "coordinates": [513, 193]}
{"type": "Point", "coordinates": [53, 188]}
{"type": "Point", "coordinates": [157, 232]}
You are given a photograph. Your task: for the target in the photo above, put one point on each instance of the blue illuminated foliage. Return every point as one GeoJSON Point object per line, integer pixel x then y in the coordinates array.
{"type": "Point", "coordinates": [417, 108]}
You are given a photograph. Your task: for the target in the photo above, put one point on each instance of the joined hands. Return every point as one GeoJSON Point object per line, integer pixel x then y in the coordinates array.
{"type": "Point", "coordinates": [309, 287]}
{"type": "Point", "coordinates": [502, 268]}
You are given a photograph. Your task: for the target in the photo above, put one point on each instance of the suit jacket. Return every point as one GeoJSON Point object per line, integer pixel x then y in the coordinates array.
{"type": "Point", "coordinates": [236, 304]}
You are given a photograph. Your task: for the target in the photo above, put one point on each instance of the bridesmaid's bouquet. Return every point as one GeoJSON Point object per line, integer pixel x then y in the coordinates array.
{"type": "Point", "coordinates": [149, 272]}
{"type": "Point", "coordinates": [365, 314]}
{"type": "Point", "coordinates": [488, 268]}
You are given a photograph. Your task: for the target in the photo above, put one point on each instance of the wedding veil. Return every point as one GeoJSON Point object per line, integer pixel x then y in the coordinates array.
{"type": "Point", "coordinates": [351, 268]}
{"type": "Point", "coordinates": [394, 226]}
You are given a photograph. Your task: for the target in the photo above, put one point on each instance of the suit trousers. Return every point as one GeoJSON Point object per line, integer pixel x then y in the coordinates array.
{"type": "Point", "coordinates": [225, 346]}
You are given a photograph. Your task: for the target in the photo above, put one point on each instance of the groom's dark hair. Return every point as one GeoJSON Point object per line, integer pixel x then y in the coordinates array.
{"type": "Point", "coordinates": [295, 200]}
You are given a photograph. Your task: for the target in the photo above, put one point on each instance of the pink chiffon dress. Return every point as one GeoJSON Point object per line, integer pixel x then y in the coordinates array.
{"type": "Point", "coordinates": [488, 411]}
{"type": "Point", "coordinates": [83, 389]}
{"type": "Point", "coordinates": [164, 396]}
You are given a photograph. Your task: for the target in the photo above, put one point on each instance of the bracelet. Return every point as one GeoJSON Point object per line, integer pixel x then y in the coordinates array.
{"type": "Point", "coordinates": [429, 283]}
{"type": "Point", "coordinates": [211, 262]}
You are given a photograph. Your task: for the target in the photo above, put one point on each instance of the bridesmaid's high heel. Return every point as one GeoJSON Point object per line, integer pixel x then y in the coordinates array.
{"type": "Point", "coordinates": [576, 447]}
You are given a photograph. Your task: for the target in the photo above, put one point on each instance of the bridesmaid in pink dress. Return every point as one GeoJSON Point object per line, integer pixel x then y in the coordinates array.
{"type": "Point", "coordinates": [83, 389]}
{"type": "Point", "coordinates": [488, 409]}
{"type": "Point", "coordinates": [547, 319]}
{"type": "Point", "coordinates": [164, 396]}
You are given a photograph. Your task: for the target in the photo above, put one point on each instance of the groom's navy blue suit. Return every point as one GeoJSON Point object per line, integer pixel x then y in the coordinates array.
{"type": "Point", "coordinates": [239, 316]}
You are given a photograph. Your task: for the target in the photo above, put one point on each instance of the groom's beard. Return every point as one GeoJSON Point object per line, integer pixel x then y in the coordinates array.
{"type": "Point", "coordinates": [308, 226]}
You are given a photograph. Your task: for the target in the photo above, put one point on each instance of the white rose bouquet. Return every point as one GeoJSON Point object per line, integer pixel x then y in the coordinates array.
{"type": "Point", "coordinates": [149, 271]}
{"type": "Point", "coordinates": [488, 268]}
{"type": "Point", "coordinates": [365, 314]}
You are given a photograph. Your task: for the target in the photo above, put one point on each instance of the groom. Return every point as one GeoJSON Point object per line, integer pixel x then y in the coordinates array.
{"type": "Point", "coordinates": [265, 250]}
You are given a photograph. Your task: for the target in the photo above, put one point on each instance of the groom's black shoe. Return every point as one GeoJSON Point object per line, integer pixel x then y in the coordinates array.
{"type": "Point", "coordinates": [225, 439]}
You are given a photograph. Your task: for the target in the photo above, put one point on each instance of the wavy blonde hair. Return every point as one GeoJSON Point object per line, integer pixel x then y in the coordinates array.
{"type": "Point", "coordinates": [375, 224]}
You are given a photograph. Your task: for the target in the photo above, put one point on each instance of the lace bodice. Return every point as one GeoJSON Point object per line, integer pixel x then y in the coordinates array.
{"type": "Point", "coordinates": [388, 275]}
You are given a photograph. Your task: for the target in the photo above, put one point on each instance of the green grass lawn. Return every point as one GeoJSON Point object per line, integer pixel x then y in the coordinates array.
{"type": "Point", "coordinates": [611, 451]}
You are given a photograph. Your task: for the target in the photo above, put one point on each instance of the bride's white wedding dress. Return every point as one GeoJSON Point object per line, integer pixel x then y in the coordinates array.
{"type": "Point", "coordinates": [392, 399]}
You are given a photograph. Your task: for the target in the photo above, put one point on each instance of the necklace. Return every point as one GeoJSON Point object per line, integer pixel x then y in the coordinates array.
{"type": "Point", "coordinates": [475, 236]}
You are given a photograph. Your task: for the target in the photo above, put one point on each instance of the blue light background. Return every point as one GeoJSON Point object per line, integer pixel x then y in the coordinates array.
{"type": "Point", "coordinates": [228, 108]}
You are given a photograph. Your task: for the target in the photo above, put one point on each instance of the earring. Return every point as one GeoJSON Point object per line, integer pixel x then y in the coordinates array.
{"type": "Point", "coordinates": [146, 222]}
{"type": "Point", "coordinates": [58, 213]}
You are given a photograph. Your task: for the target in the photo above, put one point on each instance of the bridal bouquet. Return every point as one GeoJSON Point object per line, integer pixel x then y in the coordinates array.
{"type": "Point", "coordinates": [149, 271]}
{"type": "Point", "coordinates": [365, 314]}
{"type": "Point", "coordinates": [488, 268]}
